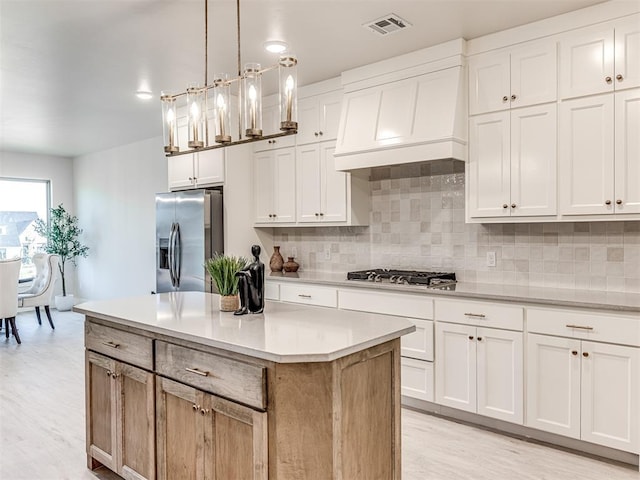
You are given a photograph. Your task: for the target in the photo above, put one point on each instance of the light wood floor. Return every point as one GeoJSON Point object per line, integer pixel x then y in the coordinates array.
{"type": "Point", "coordinates": [42, 424]}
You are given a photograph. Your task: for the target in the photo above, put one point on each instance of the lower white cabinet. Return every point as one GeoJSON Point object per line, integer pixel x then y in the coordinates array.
{"type": "Point", "coordinates": [480, 370]}
{"type": "Point", "coordinates": [585, 390]}
{"type": "Point", "coordinates": [417, 378]}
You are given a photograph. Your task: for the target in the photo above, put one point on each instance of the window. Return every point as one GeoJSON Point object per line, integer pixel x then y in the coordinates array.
{"type": "Point", "coordinates": [22, 201]}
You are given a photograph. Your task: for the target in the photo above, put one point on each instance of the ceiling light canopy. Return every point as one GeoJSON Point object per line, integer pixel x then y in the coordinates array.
{"type": "Point", "coordinates": [144, 94]}
{"type": "Point", "coordinates": [275, 46]}
{"type": "Point", "coordinates": [199, 101]}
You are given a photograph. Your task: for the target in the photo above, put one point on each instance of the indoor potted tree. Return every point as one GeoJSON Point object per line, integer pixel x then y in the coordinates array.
{"type": "Point", "coordinates": [62, 239]}
{"type": "Point", "coordinates": [223, 269]}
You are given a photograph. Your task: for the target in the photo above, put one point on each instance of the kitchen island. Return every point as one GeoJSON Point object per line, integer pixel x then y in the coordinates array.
{"type": "Point", "coordinates": [177, 389]}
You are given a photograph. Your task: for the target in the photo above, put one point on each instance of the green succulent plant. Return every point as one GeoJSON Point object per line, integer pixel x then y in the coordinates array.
{"type": "Point", "coordinates": [223, 269]}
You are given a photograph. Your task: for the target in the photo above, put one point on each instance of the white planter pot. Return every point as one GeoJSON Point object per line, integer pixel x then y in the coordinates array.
{"type": "Point", "coordinates": [64, 303]}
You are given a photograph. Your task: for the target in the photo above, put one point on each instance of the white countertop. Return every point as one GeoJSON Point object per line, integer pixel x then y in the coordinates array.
{"type": "Point", "coordinates": [616, 301]}
{"type": "Point", "coordinates": [284, 333]}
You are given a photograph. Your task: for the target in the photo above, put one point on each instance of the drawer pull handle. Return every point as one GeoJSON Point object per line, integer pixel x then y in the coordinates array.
{"type": "Point", "coordinates": [111, 344]}
{"type": "Point", "coordinates": [197, 372]}
{"type": "Point", "coordinates": [477, 315]}
{"type": "Point", "coordinates": [579, 326]}
{"type": "Point", "coordinates": [304, 296]}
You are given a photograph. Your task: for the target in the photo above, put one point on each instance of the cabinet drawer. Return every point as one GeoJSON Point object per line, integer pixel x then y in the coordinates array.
{"type": "Point", "coordinates": [271, 291]}
{"type": "Point", "coordinates": [232, 379]}
{"type": "Point", "coordinates": [418, 344]}
{"type": "Point", "coordinates": [417, 379]}
{"type": "Point", "coordinates": [309, 294]}
{"type": "Point", "coordinates": [118, 344]}
{"type": "Point", "coordinates": [399, 304]}
{"type": "Point", "coordinates": [598, 327]}
{"type": "Point", "coordinates": [480, 314]}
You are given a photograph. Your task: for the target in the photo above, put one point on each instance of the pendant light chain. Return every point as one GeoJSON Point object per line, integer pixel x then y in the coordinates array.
{"type": "Point", "coordinates": [206, 41]}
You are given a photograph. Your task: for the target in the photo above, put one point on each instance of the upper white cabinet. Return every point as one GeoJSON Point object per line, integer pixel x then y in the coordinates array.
{"type": "Point", "coordinates": [512, 163]}
{"type": "Point", "coordinates": [274, 177]}
{"type": "Point", "coordinates": [513, 78]}
{"type": "Point", "coordinates": [600, 59]}
{"type": "Point", "coordinates": [197, 170]}
{"type": "Point", "coordinates": [270, 126]}
{"type": "Point", "coordinates": [318, 117]}
{"type": "Point", "coordinates": [599, 164]}
{"type": "Point", "coordinates": [324, 194]}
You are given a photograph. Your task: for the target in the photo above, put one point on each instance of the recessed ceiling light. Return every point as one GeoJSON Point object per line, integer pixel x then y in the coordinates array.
{"type": "Point", "coordinates": [144, 94]}
{"type": "Point", "coordinates": [275, 46]}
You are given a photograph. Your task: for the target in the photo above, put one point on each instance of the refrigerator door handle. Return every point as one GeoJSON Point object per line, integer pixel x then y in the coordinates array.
{"type": "Point", "coordinates": [171, 254]}
{"type": "Point", "coordinates": [176, 254]}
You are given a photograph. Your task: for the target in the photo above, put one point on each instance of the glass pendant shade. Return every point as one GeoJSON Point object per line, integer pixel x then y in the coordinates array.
{"type": "Point", "coordinates": [287, 67]}
{"type": "Point", "coordinates": [196, 109]}
{"type": "Point", "coordinates": [221, 101]}
{"type": "Point", "coordinates": [169, 123]}
{"type": "Point", "coordinates": [252, 97]}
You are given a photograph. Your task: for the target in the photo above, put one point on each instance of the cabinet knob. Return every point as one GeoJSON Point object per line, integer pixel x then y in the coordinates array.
{"type": "Point", "coordinates": [195, 407]}
{"type": "Point", "coordinates": [470, 337]}
{"type": "Point", "coordinates": [321, 214]}
{"type": "Point", "coordinates": [585, 354]}
{"type": "Point", "coordinates": [513, 205]}
{"type": "Point", "coordinates": [479, 339]}
{"type": "Point", "coordinates": [204, 411]}
{"type": "Point", "coordinates": [619, 202]}
{"type": "Point", "coordinates": [504, 205]}
{"type": "Point", "coordinates": [574, 352]}
{"type": "Point", "coordinates": [513, 97]}
{"type": "Point", "coordinates": [190, 178]}
{"type": "Point", "coordinates": [316, 214]}
{"type": "Point", "coordinates": [108, 373]}
{"type": "Point", "coordinates": [619, 77]}
{"type": "Point", "coordinates": [607, 79]}
{"type": "Point", "coordinates": [114, 375]}
{"type": "Point", "coordinates": [505, 99]}
{"type": "Point", "coordinates": [320, 132]}
{"type": "Point", "coordinates": [315, 133]}
{"type": "Point", "coordinates": [607, 202]}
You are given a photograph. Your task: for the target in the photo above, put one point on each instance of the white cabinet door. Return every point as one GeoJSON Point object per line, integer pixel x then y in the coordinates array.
{"type": "Point", "coordinates": [456, 366]}
{"type": "Point", "coordinates": [533, 161]}
{"type": "Point", "coordinates": [489, 84]}
{"type": "Point", "coordinates": [418, 344]}
{"type": "Point", "coordinates": [500, 374]}
{"type": "Point", "coordinates": [585, 166]}
{"type": "Point", "coordinates": [264, 187]}
{"type": "Point", "coordinates": [627, 151]}
{"type": "Point", "coordinates": [329, 106]}
{"type": "Point", "coordinates": [417, 379]}
{"type": "Point", "coordinates": [209, 167]}
{"type": "Point", "coordinates": [534, 75]}
{"type": "Point", "coordinates": [553, 384]}
{"type": "Point", "coordinates": [180, 171]}
{"type": "Point", "coordinates": [308, 184]}
{"type": "Point", "coordinates": [318, 117]}
{"type": "Point", "coordinates": [489, 165]}
{"type": "Point", "coordinates": [284, 185]}
{"type": "Point", "coordinates": [627, 53]}
{"type": "Point", "coordinates": [586, 62]}
{"type": "Point", "coordinates": [308, 120]}
{"type": "Point", "coordinates": [611, 395]}
{"type": "Point", "coordinates": [333, 186]}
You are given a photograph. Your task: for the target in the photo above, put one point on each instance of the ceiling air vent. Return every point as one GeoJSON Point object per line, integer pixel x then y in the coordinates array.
{"type": "Point", "coordinates": [388, 24]}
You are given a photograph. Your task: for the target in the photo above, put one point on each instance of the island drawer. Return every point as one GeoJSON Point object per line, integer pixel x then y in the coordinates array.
{"type": "Point", "coordinates": [399, 304]}
{"type": "Point", "coordinates": [481, 314]}
{"type": "Point", "coordinates": [597, 327]}
{"type": "Point", "coordinates": [236, 380]}
{"type": "Point", "coordinates": [309, 295]}
{"type": "Point", "coordinates": [126, 346]}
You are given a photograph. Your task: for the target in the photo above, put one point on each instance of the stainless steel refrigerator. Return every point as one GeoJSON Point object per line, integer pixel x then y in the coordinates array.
{"type": "Point", "coordinates": [189, 230]}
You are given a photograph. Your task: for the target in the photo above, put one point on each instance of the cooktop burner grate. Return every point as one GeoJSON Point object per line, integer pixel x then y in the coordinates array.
{"type": "Point", "coordinates": [411, 277]}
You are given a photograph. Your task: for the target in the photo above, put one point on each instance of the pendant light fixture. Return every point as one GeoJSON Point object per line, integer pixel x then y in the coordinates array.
{"type": "Point", "coordinates": [197, 101]}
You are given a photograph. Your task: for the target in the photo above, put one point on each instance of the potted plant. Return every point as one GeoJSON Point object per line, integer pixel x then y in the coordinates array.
{"type": "Point", "coordinates": [223, 269]}
{"type": "Point", "coordinates": [62, 239]}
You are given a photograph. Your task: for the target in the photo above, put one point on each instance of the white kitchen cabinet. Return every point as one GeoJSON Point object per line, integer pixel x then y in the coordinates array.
{"type": "Point", "coordinates": [270, 126]}
{"type": "Point", "coordinates": [197, 170]}
{"type": "Point", "coordinates": [274, 177]}
{"type": "Point", "coordinates": [599, 59]}
{"type": "Point", "coordinates": [515, 77]}
{"type": "Point", "coordinates": [480, 370]}
{"type": "Point", "coordinates": [586, 390]}
{"type": "Point", "coordinates": [419, 344]}
{"type": "Point", "coordinates": [599, 165]}
{"type": "Point", "coordinates": [512, 163]}
{"type": "Point", "coordinates": [318, 117]}
{"type": "Point", "coordinates": [417, 379]}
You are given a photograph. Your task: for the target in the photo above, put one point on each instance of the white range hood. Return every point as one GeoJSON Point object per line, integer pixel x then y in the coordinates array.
{"type": "Point", "coordinates": [406, 109]}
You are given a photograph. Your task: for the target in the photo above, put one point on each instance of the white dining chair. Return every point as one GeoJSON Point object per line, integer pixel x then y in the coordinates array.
{"type": "Point", "coordinates": [41, 290]}
{"type": "Point", "coordinates": [9, 276]}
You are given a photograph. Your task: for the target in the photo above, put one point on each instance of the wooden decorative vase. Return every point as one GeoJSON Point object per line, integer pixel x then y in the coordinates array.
{"type": "Point", "coordinates": [229, 303]}
{"type": "Point", "coordinates": [276, 262]}
{"type": "Point", "coordinates": [291, 265]}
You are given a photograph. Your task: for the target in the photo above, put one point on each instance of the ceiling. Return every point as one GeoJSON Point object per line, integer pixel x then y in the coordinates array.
{"type": "Point", "coordinates": [69, 69]}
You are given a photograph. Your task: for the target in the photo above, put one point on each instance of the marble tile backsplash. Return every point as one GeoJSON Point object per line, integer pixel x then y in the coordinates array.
{"type": "Point", "coordinates": [417, 222]}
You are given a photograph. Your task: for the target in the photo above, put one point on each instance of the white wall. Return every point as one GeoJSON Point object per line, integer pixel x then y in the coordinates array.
{"type": "Point", "coordinates": [59, 171]}
{"type": "Point", "coordinates": [115, 203]}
